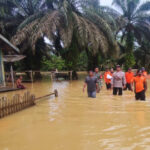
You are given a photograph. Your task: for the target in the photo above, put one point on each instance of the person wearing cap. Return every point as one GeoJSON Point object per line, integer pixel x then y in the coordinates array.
{"type": "Point", "coordinates": [91, 84]}
{"type": "Point", "coordinates": [107, 78]}
{"type": "Point", "coordinates": [144, 72]}
{"type": "Point", "coordinates": [140, 86]}
{"type": "Point", "coordinates": [118, 81]}
{"type": "Point", "coordinates": [129, 79]}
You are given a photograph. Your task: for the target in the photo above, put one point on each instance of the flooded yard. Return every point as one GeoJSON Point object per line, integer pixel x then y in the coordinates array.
{"type": "Point", "coordinates": [74, 122]}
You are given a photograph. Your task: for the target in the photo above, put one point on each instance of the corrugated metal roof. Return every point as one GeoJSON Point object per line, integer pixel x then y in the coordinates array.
{"type": "Point", "coordinates": [14, 48]}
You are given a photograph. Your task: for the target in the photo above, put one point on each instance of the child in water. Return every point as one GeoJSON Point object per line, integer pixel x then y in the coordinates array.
{"type": "Point", "coordinates": [19, 83]}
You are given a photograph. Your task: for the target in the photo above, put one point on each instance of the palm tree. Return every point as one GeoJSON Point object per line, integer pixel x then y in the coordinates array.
{"type": "Point", "coordinates": [68, 28]}
{"type": "Point", "coordinates": [16, 15]}
{"type": "Point", "coordinates": [93, 11]}
{"type": "Point", "coordinates": [133, 23]}
{"type": "Point", "coordinates": [142, 55]}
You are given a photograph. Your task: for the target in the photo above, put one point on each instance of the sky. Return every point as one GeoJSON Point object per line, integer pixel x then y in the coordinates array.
{"type": "Point", "coordinates": [106, 2]}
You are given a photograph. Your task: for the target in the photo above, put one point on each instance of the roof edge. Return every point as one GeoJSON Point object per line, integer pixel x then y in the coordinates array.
{"type": "Point", "coordinates": [9, 43]}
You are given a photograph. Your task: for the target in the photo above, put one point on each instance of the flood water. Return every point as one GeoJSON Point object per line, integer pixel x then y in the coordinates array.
{"type": "Point", "coordinates": [74, 122]}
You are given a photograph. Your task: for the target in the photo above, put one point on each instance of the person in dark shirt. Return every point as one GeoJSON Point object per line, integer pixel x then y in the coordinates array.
{"type": "Point", "coordinates": [92, 84]}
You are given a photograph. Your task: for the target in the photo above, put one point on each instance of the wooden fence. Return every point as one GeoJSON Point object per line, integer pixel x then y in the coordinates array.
{"type": "Point", "coordinates": [18, 103]}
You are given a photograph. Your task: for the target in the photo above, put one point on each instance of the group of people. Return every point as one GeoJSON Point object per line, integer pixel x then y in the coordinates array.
{"type": "Point", "coordinates": [117, 81]}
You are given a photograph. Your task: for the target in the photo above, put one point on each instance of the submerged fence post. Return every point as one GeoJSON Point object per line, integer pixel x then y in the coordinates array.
{"type": "Point", "coordinates": [18, 103]}
{"type": "Point", "coordinates": [56, 93]}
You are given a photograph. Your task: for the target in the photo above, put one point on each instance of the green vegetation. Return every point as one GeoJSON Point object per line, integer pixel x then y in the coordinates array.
{"type": "Point", "coordinates": [133, 25]}
{"type": "Point", "coordinates": [77, 34]}
{"type": "Point", "coordinates": [53, 63]}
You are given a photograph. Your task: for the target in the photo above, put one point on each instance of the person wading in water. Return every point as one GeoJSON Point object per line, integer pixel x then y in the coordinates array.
{"type": "Point", "coordinates": [118, 81]}
{"type": "Point", "coordinates": [92, 84]}
{"type": "Point", "coordinates": [107, 78]}
{"type": "Point", "coordinates": [99, 79]}
{"type": "Point", "coordinates": [144, 72]}
{"type": "Point", "coordinates": [129, 79]}
{"type": "Point", "coordinates": [140, 86]}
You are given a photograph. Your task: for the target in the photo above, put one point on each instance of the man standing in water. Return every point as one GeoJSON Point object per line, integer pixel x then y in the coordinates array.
{"type": "Point", "coordinates": [129, 78]}
{"type": "Point", "coordinates": [91, 84]}
{"type": "Point", "coordinates": [140, 86]}
{"type": "Point", "coordinates": [118, 81]}
{"type": "Point", "coordinates": [107, 78]}
{"type": "Point", "coordinates": [99, 80]}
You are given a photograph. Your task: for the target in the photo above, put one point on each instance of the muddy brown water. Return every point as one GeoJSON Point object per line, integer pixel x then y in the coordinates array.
{"type": "Point", "coordinates": [74, 122]}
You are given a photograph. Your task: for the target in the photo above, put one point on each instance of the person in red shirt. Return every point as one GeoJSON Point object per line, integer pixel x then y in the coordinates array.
{"type": "Point", "coordinates": [129, 79]}
{"type": "Point", "coordinates": [107, 78]}
{"type": "Point", "coordinates": [140, 86]}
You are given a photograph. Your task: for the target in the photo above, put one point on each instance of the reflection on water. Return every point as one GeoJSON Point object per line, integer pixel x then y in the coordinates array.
{"type": "Point", "coordinates": [74, 122]}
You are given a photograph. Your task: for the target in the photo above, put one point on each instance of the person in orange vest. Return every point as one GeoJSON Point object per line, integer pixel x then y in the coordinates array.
{"type": "Point", "coordinates": [129, 79]}
{"type": "Point", "coordinates": [140, 86]}
{"type": "Point", "coordinates": [107, 78]}
{"type": "Point", "coordinates": [144, 72]}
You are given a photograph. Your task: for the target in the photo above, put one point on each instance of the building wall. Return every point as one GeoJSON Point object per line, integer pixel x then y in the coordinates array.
{"type": "Point", "coordinates": [2, 76]}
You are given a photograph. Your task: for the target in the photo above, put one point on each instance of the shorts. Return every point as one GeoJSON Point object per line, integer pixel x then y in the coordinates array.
{"type": "Point", "coordinates": [100, 83]}
{"type": "Point", "coordinates": [117, 91]}
{"type": "Point", "coordinates": [140, 96]}
{"type": "Point", "coordinates": [108, 86]}
{"type": "Point", "coordinates": [128, 87]}
{"type": "Point", "coordinates": [92, 94]}
{"type": "Point", "coordinates": [20, 87]}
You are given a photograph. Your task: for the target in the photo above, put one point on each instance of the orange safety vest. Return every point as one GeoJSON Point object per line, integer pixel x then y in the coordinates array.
{"type": "Point", "coordinates": [139, 83]}
{"type": "Point", "coordinates": [144, 73]}
{"type": "Point", "coordinates": [105, 77]}
{"type": "Point", "coordinates": [129, 77]}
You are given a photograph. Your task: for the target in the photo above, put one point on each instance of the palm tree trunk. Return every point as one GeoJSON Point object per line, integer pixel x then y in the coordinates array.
{"type": "Point", "coordinates": [130, 60]}
{"type": "Point", "coordinates": [92, 61]}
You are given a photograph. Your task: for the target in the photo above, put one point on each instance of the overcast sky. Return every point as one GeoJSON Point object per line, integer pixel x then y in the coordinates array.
{"type": "Point", "coordinates": [109, 2]}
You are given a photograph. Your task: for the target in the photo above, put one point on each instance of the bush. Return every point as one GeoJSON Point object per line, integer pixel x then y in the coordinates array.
{"type": "Point", "coordinates": [53, 63]}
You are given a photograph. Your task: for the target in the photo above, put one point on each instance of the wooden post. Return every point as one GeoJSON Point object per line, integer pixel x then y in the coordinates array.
{"type": "Point", "coordinates": [2, 73]}
{"type": "Point", "coordinates": [71, 75]}
{"type": "Point", "coordinates": [56, 93]}
{"type": "Point", "coordinates": [31, 76]}
{"type": "Point", "coordinates": [0, 108]}
{"type": "Point", "coordinates": [51, 76]}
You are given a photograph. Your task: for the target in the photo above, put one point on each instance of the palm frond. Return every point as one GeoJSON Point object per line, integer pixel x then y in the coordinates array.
{"type": "Point", "coordinates": [102, 24]}
{"type": "Point", "coordinates": [87, 33]}
{"type": "Point", "coordinates": [112, 12]}
{"type": "Point", "coordinates": [30, 19]}
{"type": "Point", "coordinates": [144, 7]}
{"type": "Point", "coordinates": [122, 4]}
